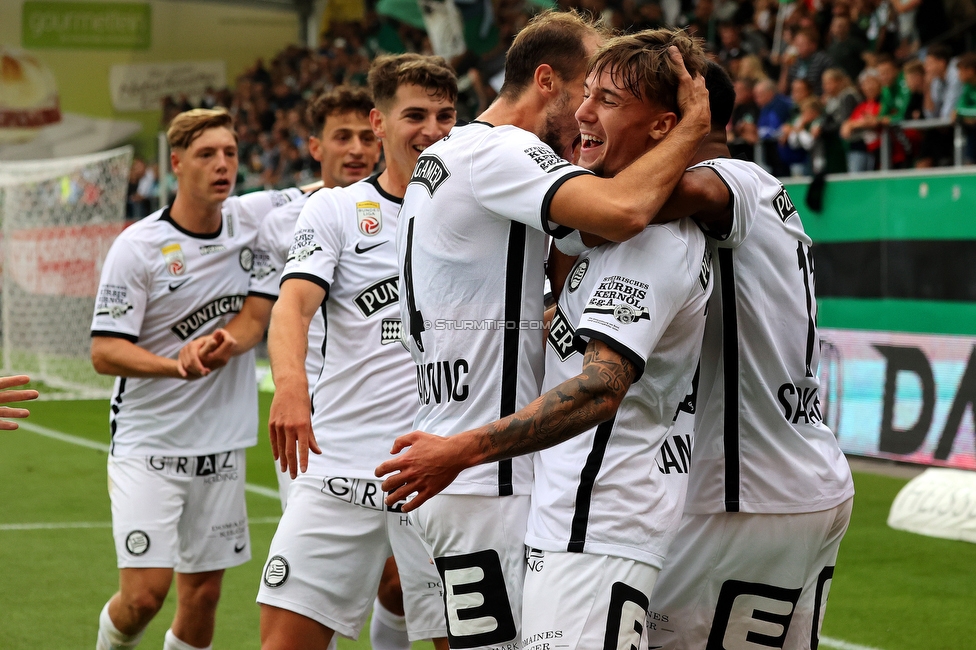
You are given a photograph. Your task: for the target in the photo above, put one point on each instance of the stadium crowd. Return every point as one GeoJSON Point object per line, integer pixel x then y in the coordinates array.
{"type": "Point", "coordinates": [817, 81]}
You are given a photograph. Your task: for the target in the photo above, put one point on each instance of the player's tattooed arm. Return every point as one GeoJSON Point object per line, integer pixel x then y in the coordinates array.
{"type": "Point", "coordinates": [431, 463]}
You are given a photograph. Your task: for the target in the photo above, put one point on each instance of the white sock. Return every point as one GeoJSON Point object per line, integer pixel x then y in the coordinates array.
{"type": "Point", "coordinates": [170, 642]}
{"type": "Point", "coordinates": [109, 637]}
{"type": "Point", "coordinates": [387, 631]}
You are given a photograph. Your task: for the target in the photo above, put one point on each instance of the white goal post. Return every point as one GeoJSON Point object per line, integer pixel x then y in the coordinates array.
{"type": "Point", "coordinates": [59, 217]}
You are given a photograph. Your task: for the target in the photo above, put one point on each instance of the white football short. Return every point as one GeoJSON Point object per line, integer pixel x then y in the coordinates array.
{"type": "Point", "coordinates": [327, 557]}
{"type": "Point", "coordinates": [738, 581]}
{"type": "Point", "coordinates": [181, 512]}
{"type": "Point", "coordinates": [478, 543]}
{"type": "Point", "coordinates": [284, 483]}
{"type": "Point", "coordinates": [579, 600]}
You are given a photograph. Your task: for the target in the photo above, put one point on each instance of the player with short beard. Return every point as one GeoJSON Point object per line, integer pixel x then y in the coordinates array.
{"type": "Point", "coordinates": [176, 464]}
{"type": "Point", "coordinates": [623, 347]}
{"type": "Point", "coordinates": [471, 243]}
{"type": "Point", "coordinates": [328, 552]}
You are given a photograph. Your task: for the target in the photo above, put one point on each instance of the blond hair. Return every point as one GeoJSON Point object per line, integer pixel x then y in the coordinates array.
{"type": "Point", "coordinates": [187, 126]}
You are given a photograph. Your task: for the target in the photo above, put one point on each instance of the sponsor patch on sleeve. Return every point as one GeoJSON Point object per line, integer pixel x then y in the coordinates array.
{"type": "Point", "coordinates": [113, 301]}
{"type": "Point", "coordinates": [546, 158]}
{"type": "Point", "coordinates": [303, 245]}
{"type": "Point", "coordinates": [620, 297]}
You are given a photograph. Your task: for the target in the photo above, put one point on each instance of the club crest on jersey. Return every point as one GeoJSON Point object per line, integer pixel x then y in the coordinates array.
{"type": "Point", "coordinates": [576, 276]}
{"type": "Point", "coordinates": [303, 245]}
{"type": "Point", "coordinates": [378, 295]}
{"type": "Point", "coordinates": [430, 172]}
{"type": "Point", "coordinates": [173, 257]}
{"type": "Point", "coordinates": [783, 205]}
{"type": "Point", "coordinates": [276, 572]}
{"type": "Point", "coordinates": [370, 217]}
{"type": "Point", "coordinates": [137, 542]}
{"type": "Point", "coordinates": [247, 259]}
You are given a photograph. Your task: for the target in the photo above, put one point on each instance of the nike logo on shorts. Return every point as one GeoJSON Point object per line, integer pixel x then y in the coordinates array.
{"type": "Point", "coordinates": [173, 286]}
{"type": "Point", "coordinates": [238, 549]}
{"type": "Point", "coordinates": [369, 248]}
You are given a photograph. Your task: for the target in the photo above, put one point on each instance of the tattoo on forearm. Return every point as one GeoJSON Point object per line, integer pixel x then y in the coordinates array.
{"type": "Point", "coordinates": [565, 411]}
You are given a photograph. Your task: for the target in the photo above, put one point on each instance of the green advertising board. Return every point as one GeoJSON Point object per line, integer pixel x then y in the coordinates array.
{"type": "Point", "coordinates": [895, 252]}
{"type": "Point", "coordinates": [86, 25]}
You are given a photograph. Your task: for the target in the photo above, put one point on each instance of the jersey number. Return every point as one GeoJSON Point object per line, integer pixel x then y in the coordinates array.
{"type": "Point", "coordinates": [804, 256]}
{"type": "Point", "coordinates": [416, 319]}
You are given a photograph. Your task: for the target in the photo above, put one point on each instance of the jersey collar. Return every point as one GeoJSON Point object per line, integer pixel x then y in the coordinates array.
{"type": "Point", "coordinates": [375, 182]}
{"type": "Point", "coordinates": [165, 216]}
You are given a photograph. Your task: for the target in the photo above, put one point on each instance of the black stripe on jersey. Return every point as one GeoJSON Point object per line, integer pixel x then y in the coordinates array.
{"type": "Point", "coordinates": [325, 340]}
{"type": "Point", "coordinates": [165, 216]}
{"type": "Point", "coordinates": [116, 407]}
{"type": "Point", "coordinates": [586, 334]}
{"type": "Point", "coordinates": [314, 279]}
{"type": "Point", "coordinates": [115, 335]}
{"type": "Point", "coordinates": [514, 265]}
{"type": "Point", "coordinates": [584, 493]}
{"type": "Point", "coordinates": [559, 231]}
{"type": "Point", "coordinates": [266, 296]}
{"type": "Point", "coordinates": [374, 180]}
{"type": "Point", "coordinates": [720, 236]}
{"type": "Point", "coordinates": [730, 361]}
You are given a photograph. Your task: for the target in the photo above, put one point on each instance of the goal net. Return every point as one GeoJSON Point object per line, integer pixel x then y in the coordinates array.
{"type": "Point", "coordinates": [59, 217]}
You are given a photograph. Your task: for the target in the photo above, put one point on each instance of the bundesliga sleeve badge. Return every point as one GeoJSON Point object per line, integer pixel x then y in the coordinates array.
{"type": "Point", "coordinates": [370, 218]}
{"type": "Point", "coordinates": [173, 257]}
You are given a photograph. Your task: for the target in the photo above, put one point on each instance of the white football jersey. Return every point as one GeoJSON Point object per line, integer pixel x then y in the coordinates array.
{"type": "Point", "coordinates": [270, 254]}
{"type": "Point", "coordinates": [364, 395]}
{"type": "Point", "coordinates": [609, 491]}
{"type": "Point", "coordinates": [471, 244]}
{"type": "Point", "coordinates": [760, 444]}
{"type": "Point", "coordinates": [161, 287]}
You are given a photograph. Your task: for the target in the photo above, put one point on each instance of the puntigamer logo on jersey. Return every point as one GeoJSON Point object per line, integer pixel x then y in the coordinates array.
{"type": "Point", "coordinates": [303, 245]}
{"type": "Point", "coordinates": [370, 217]}
{"type": "Point", "coordinates": [430, 172]}
{"type": "Point", "coordinates": [378, 295]}
{"type": "Point", "coordinates": [783, 205]}
{"type": "Point", "coordinates": [213, 309]}
{"type": "Point", "coordinates": [562, 335]}
{"type": "Point", "coordinates": [113, 301]}
{"type": "Point", "coordinates": [173, 257]}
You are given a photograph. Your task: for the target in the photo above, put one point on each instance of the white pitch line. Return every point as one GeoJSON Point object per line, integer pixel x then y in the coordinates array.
{"type": "Point", "coordinates": [102, 447]}
{"type": "Point", "coordinates": [827, 642]}
{"type": "Point", "coordinates": [66, 525]}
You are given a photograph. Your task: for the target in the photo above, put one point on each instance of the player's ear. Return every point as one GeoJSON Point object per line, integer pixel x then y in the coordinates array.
{"type": "Point", "coordinates": [315, 148]}
{"type": "Point", "coordinates": [377, 121]}
{"type": "Point", "coordinates": [545, 79]}
{"type": "Point", "coordinates": [176, 160]}
{"type": "Point", "coordinates": [661, 124]}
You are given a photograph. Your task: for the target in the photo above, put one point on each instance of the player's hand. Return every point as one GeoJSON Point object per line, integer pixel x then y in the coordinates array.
{"type": "Point", "coordinates": [428, 466]}
{"type": "Point", "coordinates": [10, 396]}
{"type": "Point", "coordinates": [189, 363]}
{"type": "Point", "coordinates": [217, 349]}
{"type": "Point", "coordinates": [290, 430]}
{"type": "Point", "coordinates": [692, 94]}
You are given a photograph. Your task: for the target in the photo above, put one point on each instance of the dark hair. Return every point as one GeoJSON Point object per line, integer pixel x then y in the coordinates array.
{"type": "Point", "coordinates": [640, 64]}
{"type": "Point", "coordinates": [883, 58]}
{"type": "Point", "coordinates": [967, 60]}
{"type": "Point", "coordinates": [431, 73]}
{"type": "Point", "coordinates": [939, 51]}
{"type": "Point", "coordinates": [721, 94]}
{"type": "Point", "coordinates": [188, 125]}
{"type": "Point", "coordinates": [550, 38]}
{"type": "Point", "coordinates": [338, 101]}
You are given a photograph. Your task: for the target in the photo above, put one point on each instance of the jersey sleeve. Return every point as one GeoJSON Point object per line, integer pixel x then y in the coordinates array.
{"type": "Point", "coordinates": [515, 176]}
{"type": "Point", "coordinates": [123, 292]}
{"type": "Point", "coordinates": [269, 257]}
{"type": "Point", "coordinates": [317, 242]}
{"type": "Point", "coordinates": [256, 205]}
{"type": "Point", "coordinates": [646, 282]}
{"type": "Point", "coordinates": [744, 187]}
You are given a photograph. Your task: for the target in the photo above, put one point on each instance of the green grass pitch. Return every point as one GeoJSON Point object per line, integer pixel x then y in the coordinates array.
{"type": "Point", "coordinates": [892, 590]}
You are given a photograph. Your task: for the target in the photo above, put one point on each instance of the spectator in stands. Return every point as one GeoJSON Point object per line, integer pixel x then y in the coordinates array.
{"type": "Point", "coordinates": [751, 68]}
{"type": "Point", "coordinates": [882, 30]}
{"type": "Point", "coordinates": [808, 64]}
{"type": "Point", "coordinates": [914, 75]}
{"type": "Point", "coordinates": [799, 138]}
{"type": "Point", "coordinates": [840, 99]}
{"type": "Point", "coordinates": [800, 90]}
{"type": "Point", "coordinates": [142, 190]}
{"type": "Point", "coordinates": [966, 107]}
{"type": "Point", "coordinates": [743, 133]}
{"type": "Point", "coordinates": [895, 94]}
{"type": "Point", "coordinates": [774, 111]}
{"type": "Point", "coordinates": [845, 47]}
{"type": "Point", "coordinates": [862, 129]}
{"type": "Point", "coordinates": [944, 84]}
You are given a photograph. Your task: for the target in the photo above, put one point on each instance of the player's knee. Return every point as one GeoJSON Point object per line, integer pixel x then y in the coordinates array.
{"type": "Point", "coordinates": [390, 593]}
{"type": "Point", "coordinates": [144, 603]}
{"type": "Point", "coordinates": [204, 596]}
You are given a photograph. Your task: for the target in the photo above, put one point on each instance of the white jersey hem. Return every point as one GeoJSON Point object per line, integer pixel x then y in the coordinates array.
{"type": "Point", "coordinates": [130, 451]}
{"type": "Point", "coordinates": [789, 508]}
{"type": "Point", "coordinates": [465, 488]}
{"type": "Point", "coordinates": [597, 548]}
